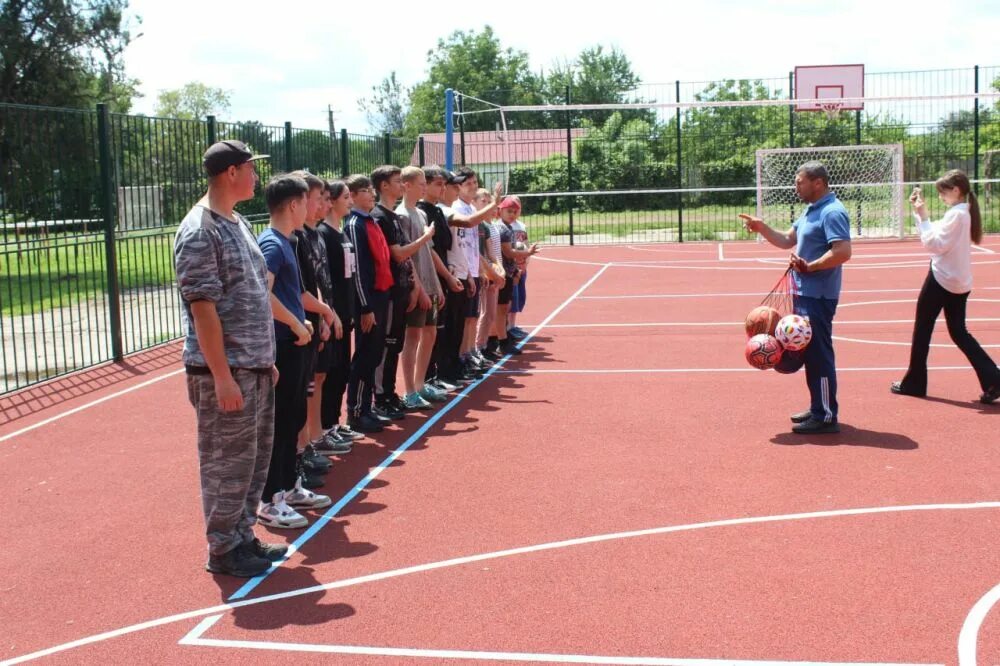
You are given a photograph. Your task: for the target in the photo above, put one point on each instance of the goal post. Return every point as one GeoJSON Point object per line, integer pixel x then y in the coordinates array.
{"type": "Point", "coordinates": [868, 179]}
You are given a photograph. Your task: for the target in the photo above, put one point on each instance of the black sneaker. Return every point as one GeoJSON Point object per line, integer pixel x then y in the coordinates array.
{"type": "Point", "coordinates": [332, 444]}
{"type": "Point", "coordinates": [814, 426]}
{"type": "Point", "coordinates": [899, 389]}
{"type": "Point", "coordinates": [239, 561]}
{"type": "Point", "coordinates": [346, 433]}
{"type": "Point", "coordinates": [516, 333]}
{"type": "Point", "coordinates": [509, 346]}
{"type": "Point", "coordinates": [801, 416]}
{"type": "Point", "coordinates": [991, 395]}
{"type": "Point", "coordinates": [365, 423]}
{"type": "Point", "coordinates": [383, 410]}
{"type": "Point", "coordinates": [311, 480]}
{"type": "Point", "coordinates": [272, 552]}
{"type": "Point", "coordinates": [314, 461]}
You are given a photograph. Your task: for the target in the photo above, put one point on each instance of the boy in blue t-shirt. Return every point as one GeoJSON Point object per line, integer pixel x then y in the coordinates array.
{"type": "Point", "coordinates": [822, 241]}
{"type": "Point", "coordinates": [286, 202]}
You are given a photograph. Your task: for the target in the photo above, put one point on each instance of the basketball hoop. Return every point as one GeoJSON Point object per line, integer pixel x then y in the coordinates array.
{"type": "Point", "coordinates": [831, 109]}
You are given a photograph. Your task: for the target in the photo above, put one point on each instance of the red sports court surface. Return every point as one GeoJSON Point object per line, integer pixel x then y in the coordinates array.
{"type": "Point", "coordinates": [627, 491]}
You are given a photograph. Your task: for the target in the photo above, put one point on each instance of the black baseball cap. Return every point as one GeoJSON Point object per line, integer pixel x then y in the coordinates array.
{"type": "Point", "coordinates": [224, 154]}
{"type": "Point", "coordinates": [452, 178]}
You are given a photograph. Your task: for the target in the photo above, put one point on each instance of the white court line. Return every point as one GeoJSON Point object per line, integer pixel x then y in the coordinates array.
{"type": "Point", "coordinates": [533, 657]}
{"type": "Point", "coordinates": [94, 403]}
{"type": "Point", "coordinates": [722, 256]}
{"type": "Point", "coordinates": [903, 344]}
{"type": "Point", "coordinates": [656, 324]}
{"type": "Point", "coordinates": [554, 545]}
{"type": "Point", "coordinates": [757, 294]}
{"type": "Point", "coordinates": [968, 637]}
{"type": "Point", "coordinates": [983, 249]}
{"type": "Point", "coordinates": [681, 371]}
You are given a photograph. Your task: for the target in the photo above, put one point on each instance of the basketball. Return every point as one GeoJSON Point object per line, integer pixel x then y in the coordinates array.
{"type": "Point", "coordinates": [763, 351]}
{"type": "Point", "coordinates": [791, 362]}
{"type": "Point", "coordinates": [793, 332]}
{"type": "Point", "coordinates": [762, 319]}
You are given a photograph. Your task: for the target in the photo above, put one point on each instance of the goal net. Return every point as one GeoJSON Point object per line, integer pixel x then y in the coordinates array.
{"type": "Point", "coordinates": [867, 179]}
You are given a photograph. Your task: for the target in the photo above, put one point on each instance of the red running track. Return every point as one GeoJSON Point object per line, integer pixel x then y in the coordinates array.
{"type": "Point", "coordinates": [626, 489]}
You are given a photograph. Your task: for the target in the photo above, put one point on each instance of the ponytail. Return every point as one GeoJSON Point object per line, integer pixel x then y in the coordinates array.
{"type": "Point", "coordinates": [976, 228]}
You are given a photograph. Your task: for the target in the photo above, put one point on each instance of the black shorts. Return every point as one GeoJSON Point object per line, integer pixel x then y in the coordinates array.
{"type": "Point", "coordinates": [503, 297]}
{"type": "Point", "coordinates": [472, 302]}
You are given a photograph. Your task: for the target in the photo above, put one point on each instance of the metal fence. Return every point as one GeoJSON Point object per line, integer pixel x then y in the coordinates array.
{"type": "Point", "coordinates": [89, 200]}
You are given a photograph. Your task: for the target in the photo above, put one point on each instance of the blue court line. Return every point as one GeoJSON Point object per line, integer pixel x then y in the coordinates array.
{"type": "Point", "coordinates": [363, 483]}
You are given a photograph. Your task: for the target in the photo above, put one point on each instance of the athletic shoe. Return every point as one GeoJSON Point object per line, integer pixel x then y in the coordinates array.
{"type": "Point", "coordinates": [413, 401]}
{"type": "Point", "coordinates": [277, 513]}
{"type": "Point", "coordinates": [395, 402]}
{"type": "Point", "coordinates": [442, 385]}
{"type": "Point", "coordinates": [312, 480]}
{"type": "Point", "coordinates": [431, 394]}
{"type": "Point", "coordinates": [301, 498]}
{"type": "Point", "coordinates": [272, 552]}
{"type": "Point", "coordinates": [347, 433]}
{"type": "Point", "coordinates": [482, 360]}
{"type": "Point", "coordinates": [991, 395]}
{"type": "Point", "coordinates": [801, 416]}
{"type": "Point", "coordinates": [314, 461]}
{"type": "Point", "coordinates": [509, 346]}
{"type": "Point", "coordinates": [493, 355]}
{"type": "Point", "coordinates": [239, 561]}
{"type": "Point", "coordinates": [366, 423]}
{"type": "Point", "coordinates": [332, 444]}
{"type": "Point", "coordinates": [519, 331]}
{"type": "Point", "coordinates": [385, 411]}
{"type": "Point", "coordinates": [899, 389]}
{"type": "Point", "coordinates": [814, 426]}
{"type": "Point", "coordinates": [516, 333]}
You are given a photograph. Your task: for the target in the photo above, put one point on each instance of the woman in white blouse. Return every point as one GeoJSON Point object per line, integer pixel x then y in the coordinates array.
{"type": "Point", "coordinates": [948, 285]}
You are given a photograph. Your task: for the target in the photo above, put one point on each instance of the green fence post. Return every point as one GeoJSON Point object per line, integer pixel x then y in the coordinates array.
{"type": "Point", "coordinates": [420, 151]}
{"type": "Point", "coordinates": [387, 148]}
{"type": "Point", "coordinates": [791, 110]}
{"type": "Point", "coordinates": [975, 132]}
{"type": "Point", "coordinates": [212, 132]}
{"type": "Point", "coordinates": [107, 200]}
{"type": "Point", "coordinates": [288, 146]}
{"type": "Point", "coordinates": [680, 179]}
{"type": "Point", "coordinates": [569, 162]}
{"type": "Point", "coordinates": [345, 165]}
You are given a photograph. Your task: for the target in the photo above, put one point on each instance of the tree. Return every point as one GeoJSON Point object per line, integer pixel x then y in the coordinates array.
{"type": "Point", "coordinates": [192, 101]}
{"type": "Point", "coordinates": [65, 53]}
{"type": "Point", "coordinates": [386, 109]}
{"type": "Point", "coordinates": [476, 64]}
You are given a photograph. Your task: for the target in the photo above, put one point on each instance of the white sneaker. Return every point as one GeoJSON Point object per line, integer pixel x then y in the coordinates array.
{"type": "Point", "coordinates": [277, 513]}
{"type": "Point", "coordinates": [304, 498]}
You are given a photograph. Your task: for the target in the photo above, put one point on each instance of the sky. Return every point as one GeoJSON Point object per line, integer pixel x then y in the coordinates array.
{"type": "Point", "coordinates": [289, 61]}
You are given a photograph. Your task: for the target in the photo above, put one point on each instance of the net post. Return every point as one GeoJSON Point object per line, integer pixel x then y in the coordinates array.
{"type": "Point", "coordinates": [791, 111]}
{"type": "Point", "coordinates": [975, 131]}
{"type": "Point", "coordinates": [680, 180]}
{"type": "Point", "coordinates": [569, 161]}
{"type": "Point", "coordinates": [449, 129]}
{"type": "Point", "coordinates": [461, 129]}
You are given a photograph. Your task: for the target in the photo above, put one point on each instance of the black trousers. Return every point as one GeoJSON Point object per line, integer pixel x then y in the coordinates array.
{"type": "Point", "coordinates": [934, 298]}
{"type": "Point", "coordinates": [395, 336]}
{"type": "Point", "coordinates": [289, 415]}
{"type": "Point", "coordinates": [448, 364]}
{"type": "Point", "coordinates": [368, 349]}
{"type": "Point", "coordinates": [335, 384]}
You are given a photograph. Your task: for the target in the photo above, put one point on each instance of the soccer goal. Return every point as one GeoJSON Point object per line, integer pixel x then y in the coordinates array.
{"type": "Point", "coordinates": [867, 179]}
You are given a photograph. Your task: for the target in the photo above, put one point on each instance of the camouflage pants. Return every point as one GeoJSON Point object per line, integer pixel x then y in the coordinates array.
{"type": "Point", "coordinates": [234, 451]}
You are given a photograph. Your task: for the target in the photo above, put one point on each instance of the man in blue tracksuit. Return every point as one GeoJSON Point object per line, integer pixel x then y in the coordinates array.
{"type": "Point", "coordinates": [822, 241]}
{"type": "Point", "coordinates": [372, 284]}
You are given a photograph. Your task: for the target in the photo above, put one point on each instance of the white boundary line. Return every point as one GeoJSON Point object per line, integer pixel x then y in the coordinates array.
{"type": "Point", "coordinates": [757, 294]}
{"type": "Point", "coordinates": [458, 561]}
{"type": "Point", "coordinates": [968, 637]}
{"type": "Point", "coordinates": [983, 249]}
{"type": "Point", "coordinates": [62, 415]}
{"type": "Point", "coordinates": [740, 323]}
{"type": "Point", "coordinates": [680, 371]}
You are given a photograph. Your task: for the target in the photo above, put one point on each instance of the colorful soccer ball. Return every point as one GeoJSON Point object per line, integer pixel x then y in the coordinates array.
{"type": "Point", "coordinates": [763, 351]}
{"type": "Point", "coordinates": [762, 319]}
{"type": "Point", "coordinates": [793, 332]}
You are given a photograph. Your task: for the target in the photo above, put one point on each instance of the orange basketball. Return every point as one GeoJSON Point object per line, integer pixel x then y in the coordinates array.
{"type": "Point", "coordinates": [762, 319]}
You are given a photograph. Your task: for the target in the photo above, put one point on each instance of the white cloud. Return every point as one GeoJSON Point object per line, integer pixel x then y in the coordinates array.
{"type": "Point", "coordinates": [280, 67]}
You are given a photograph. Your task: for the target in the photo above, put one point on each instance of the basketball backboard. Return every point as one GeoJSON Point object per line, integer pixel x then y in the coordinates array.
{"type": "Point", "coordinates": [830, 82]}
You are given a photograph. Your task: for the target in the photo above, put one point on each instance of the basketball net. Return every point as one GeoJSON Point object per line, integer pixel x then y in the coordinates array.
{"type": "Point", "coordinates": [831, 109]}
{"type": "Point", "coordinates": [781, 295]}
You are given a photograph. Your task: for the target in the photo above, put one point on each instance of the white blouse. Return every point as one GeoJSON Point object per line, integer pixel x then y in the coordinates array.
{"type": "Point", "coordinates": [950, 246]}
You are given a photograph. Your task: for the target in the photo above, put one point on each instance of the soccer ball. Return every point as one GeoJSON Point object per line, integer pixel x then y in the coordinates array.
{"type": "Point", "coordinates": [793, 332]}
{"type": "Point", "coordinates": [763, 351]}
